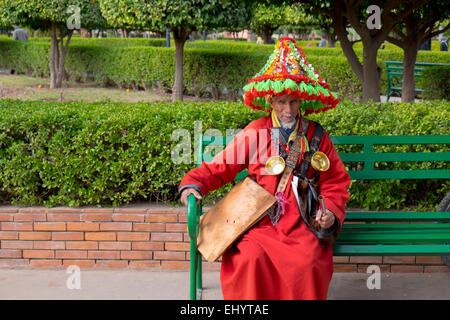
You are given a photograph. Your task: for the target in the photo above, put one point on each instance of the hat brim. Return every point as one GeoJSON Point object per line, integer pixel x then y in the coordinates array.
{"type": "Point", "coordinates": [316, 95]}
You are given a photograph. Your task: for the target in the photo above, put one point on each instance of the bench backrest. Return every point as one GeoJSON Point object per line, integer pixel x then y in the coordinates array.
{"type": "Point", "coordinates": [397, 66]}
{"type": "Point", "coordinates": [367, 158]}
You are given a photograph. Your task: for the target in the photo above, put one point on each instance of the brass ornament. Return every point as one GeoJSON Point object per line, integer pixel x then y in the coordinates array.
{"type": "Point", "coordinates": [320, 161]}
{"type": "Point", "coordinates": [275, 165]}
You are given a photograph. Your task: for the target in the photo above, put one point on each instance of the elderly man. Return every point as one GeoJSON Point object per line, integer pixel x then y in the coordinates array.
{"type": "Point", "coordinates": [283, 255]}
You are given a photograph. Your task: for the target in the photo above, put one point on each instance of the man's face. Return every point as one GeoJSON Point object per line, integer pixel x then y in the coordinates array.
{"type": "Point", "coordinates": [286, 107]}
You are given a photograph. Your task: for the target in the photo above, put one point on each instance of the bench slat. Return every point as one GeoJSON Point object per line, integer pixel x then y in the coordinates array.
{"type": "Point", "coordinates": [390, 227]}
{"type": "Point", "coordinates": [391, 157]}
{"type": "Point", "coordinates": [392, 72]}
{"type": "Point", "coordinates": [241, 175]}
{"type": "Point", "coordinates": [405, 139]}
{"type": "Point", "coordinates": [394, 237]}
{"type": "Point", "coordinates": [399, 174]}
{"type": "Point", "coordinates": [400, 89]}
{"type": "Point", "coordinates": [389, 216]}
{"type": "Point", "coordinates": [420, 64]}
{"type": "Point", "coordinates": [391, 250]}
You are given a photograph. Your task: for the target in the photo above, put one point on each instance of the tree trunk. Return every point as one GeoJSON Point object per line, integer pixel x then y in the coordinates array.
{"type": "Point", "coordinates": [267, 34]}
{"type": "Point", "coordinates": [331, 39]}
{"type": "Point", "coordinates": [409, 59]}
{"type": "Point", "coordinates": [53, 56]}
{"type": "Point", "coordinates": [62, 57]}
{"type": "Point", "coordinates": [346, 46]}
{"type": "Point", "coordinates": [371, 82]}
{"type": "Point", "coordinates": [180, 36]}
{"type": "Point", "coordinates": [58, 56]}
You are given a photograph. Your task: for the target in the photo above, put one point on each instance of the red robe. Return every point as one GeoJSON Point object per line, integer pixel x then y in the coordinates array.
{"type": "Point", "coordinates": [284, 261]}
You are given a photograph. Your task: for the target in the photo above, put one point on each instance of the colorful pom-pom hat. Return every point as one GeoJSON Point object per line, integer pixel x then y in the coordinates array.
{"type": "Point", "coordinates": [288, 72]}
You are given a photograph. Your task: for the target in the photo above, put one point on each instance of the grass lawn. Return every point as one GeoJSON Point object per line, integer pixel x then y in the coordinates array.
{"type": "Point", "coordinates": [29, 88]}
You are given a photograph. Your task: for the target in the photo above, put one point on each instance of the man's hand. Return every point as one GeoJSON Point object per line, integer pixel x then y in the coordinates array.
{"type": "Point", "coordinates": [326, 220]}
{"type": "Point", "coordinates": [186, 193]}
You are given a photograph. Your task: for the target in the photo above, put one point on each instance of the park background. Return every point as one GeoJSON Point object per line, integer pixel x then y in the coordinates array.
{"type": "Point", "coordinates": [87, 117]}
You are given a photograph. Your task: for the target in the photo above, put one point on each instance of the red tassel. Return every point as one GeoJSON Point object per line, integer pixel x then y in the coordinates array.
{"type": "Point", "coordinates": [282, 201]}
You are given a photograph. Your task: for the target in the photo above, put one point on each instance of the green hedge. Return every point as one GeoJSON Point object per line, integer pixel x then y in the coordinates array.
{"type": "Point", "coordinates": [424, 118]}
{"type": "Point", "coordinates": [114, 153]}
{"type": "Point", "coordinates": [333, 76]}
{"type": "Point", "coordinates": [117, 42]}
{"type": "Point", "coordinates": [436, 82]}
{"type": "Point", "coordinates": [211, 67]}
{"type": "Point", "coordinates": [206, 71]}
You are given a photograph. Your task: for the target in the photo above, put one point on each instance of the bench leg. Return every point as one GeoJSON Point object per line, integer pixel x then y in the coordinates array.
{"type": "Point", "coordinates": [388, 89]}
{"type": "Point", "coordinates": [193, 271]}
{"type": "Point", "coordinates": [444, 206]}
{"type": "Point", "coordinates": [199, 276]}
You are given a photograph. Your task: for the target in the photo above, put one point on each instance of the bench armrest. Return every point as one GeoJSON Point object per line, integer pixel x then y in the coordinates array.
{"type": "Point", "coordinates": [193, 216]}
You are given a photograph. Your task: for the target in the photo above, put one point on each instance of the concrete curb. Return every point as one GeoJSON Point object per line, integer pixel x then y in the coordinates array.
{"type": "Point", "coordinates": [34, 284]}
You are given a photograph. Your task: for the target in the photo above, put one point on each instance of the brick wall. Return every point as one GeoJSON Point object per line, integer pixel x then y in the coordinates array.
{"type": "Point", "coordinates": [134, 238]}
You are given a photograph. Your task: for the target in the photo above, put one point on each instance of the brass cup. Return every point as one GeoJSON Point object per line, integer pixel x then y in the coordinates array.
{"type": "Point", "coordinates": [275, 165]}
{"type": "Point", "coordinates": [320, 161]}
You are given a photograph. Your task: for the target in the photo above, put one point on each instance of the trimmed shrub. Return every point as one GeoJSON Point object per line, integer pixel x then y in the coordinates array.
{"type": "Point", "coordinates": [211, 67]}
{"type": "Point", "coordinates": [435, 82]}
{"type": "Point", "coordinates": [115, 42]}
{"type": "Point", "coordinates": [114, 153]}
{"type": "Point", "coordinates": [207, 72]}
{"type": "Point", "coordinates": [98, 153]}
{"type": "Point", "coordinates": [424, 118]}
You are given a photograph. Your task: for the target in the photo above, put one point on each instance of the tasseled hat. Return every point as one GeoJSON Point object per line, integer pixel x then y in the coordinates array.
{"type": "Point", "coordinates": [288, 72]}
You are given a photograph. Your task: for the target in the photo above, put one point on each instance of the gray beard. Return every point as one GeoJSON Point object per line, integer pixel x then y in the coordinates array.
{"type": "Point", "coordinates": [288, 125]}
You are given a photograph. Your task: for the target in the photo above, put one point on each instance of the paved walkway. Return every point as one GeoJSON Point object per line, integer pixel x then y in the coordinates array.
{"type": "Point", "coordinates": [395, 99]}
{"type": "Point", "coordinates": [31, 284]}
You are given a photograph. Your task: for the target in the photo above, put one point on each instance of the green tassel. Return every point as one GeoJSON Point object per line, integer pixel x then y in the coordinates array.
{"type": "Point", "coordinates": [317, 105]}
{"type": "Point", "coordinates": [305, 143]}
{"type": "Point", "coordinates": [277, 86]}
{"type": "Point", "coordinates": [259, 86]}
{"type": "Point", "coordinates": [266, 85]}
{"type": "Point", "coordinates": [249, 86]}
{"type": "Point", "coordinates": [290, 84]}
{"type": "Point", "coordinates": [303, 87]}
{"type": "Point", "coordinates": [259, 102]}
{"type": "Point", "coordinates": [309, 89]}
{"type": "Point", "coordinates": [324, 92]}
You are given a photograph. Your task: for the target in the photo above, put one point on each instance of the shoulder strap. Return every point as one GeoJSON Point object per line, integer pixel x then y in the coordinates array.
{"type": "Point", "coordinates": [313, 147]}
{"type": "Point", "coordinates": [291, 161]}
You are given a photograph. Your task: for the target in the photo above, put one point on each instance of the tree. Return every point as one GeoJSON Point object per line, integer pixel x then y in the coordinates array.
{"type": "Point", "coordinates": [354, 13]}
{"type": "Point", "coordinates": [298, 19]}
{"type": "Point", "coordinates": [409, 34]}
{"type": "Point", "coordinates": [268, 17]}
{"type": "Point", "coordinates": [54, 16]}
{"type": "Point", "coordinates": [180, 16]}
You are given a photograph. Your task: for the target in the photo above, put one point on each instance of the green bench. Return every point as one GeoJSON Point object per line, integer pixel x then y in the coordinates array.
{"type": "Point", "coordinates": [363, 233]}
{"type": "Point", "coordinates": [394, 71]}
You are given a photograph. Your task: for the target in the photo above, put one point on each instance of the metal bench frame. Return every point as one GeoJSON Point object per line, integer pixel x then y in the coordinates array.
{"type": "Point", "coordinates": [363, 233]}
{"type": "Point", "coordinates": [394, 69]}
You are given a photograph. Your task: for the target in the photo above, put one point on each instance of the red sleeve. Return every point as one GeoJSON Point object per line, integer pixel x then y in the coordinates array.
{"type": "Point", "coordinates": [224, 167]}
{"type": "Point", "coordinates": [335, 181]}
